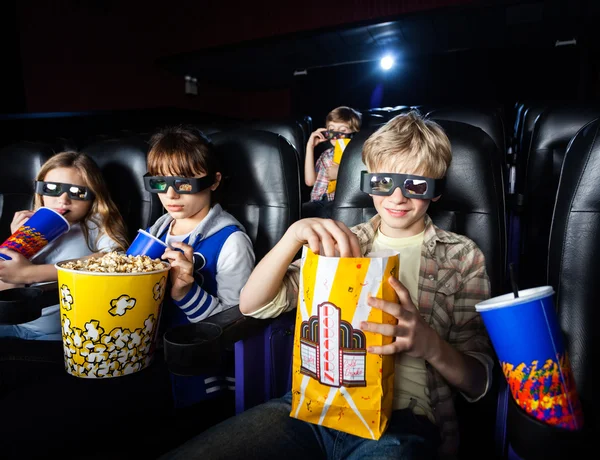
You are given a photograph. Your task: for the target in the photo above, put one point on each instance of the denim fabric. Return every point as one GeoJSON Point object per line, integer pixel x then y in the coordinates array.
{"type": "Point", "coordinates": [268, 432]}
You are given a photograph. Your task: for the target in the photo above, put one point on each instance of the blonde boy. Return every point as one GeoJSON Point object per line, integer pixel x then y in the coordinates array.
{"type": "Point", "coordinates": [440, 341]}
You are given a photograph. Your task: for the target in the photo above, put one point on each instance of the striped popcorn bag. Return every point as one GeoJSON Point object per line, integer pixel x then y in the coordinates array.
{"type": "Point", "coordinates": [336, 383]}
{"type": "Point", "coordinates": [338, 151]}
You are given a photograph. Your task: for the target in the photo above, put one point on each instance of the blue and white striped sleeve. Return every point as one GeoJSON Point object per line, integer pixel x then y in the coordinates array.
{"type": "Point", "coordinates": [197, 304]}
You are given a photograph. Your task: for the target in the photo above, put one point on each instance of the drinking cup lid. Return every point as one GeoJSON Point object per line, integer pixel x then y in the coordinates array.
{"type": "Point", "coordinates": [509, 300]}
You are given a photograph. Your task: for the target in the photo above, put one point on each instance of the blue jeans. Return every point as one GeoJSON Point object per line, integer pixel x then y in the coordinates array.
{"type": "Point", "coordinates": [268, 432]}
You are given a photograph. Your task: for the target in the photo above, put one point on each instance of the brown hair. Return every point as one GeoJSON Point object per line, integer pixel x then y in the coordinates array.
{"type": "Point", "coordinates": [409, 143]}
{"type": "Point", "coordinates": [110, 219]}
{"type": "Point", "coordinates": [181, 151]}
{"type": "Point", "coordinates": [346, 115]}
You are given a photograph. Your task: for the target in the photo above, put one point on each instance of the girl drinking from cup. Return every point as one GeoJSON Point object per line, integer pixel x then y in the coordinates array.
{"type": "Point", "coordinates": [71, 184]}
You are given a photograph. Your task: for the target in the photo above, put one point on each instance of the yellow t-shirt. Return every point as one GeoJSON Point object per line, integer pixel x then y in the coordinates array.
{"type": "Point", "coordinates": [410, 380]}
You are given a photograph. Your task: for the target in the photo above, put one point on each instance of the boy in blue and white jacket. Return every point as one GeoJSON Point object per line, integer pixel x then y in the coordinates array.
{"type": "Point", "coordinates": [210, 254]}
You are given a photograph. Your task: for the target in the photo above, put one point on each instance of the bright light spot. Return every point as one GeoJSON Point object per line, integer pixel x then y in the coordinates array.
{"type": "Point", "coordinates": [387, 62]}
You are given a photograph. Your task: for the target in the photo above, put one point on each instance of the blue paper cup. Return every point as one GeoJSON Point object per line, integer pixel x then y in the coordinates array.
{"type": "Point", "coordinates": [43, 227]}
{"type": "Point", "coordinates": [529, 344]}
{"type": "Point", "coordinates": [146, 245]}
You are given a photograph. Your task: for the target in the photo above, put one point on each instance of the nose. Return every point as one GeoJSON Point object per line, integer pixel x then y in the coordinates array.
{"type": "Point", "coordinates": [397, 196]}
{"type": "Point", "coordinates": [171, 193]}
{"type": "Point", "coordinates": [64, 198]}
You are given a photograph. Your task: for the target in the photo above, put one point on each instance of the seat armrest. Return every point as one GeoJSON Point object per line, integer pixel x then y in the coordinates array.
{"type": "Point", "coordinates": [236, 326]}
{"type": "Point", "coordinates": [50, 294]}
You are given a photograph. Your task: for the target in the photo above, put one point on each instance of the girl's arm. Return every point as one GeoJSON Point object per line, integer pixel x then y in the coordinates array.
{"type": "Point", "coordinates": [19, 270]}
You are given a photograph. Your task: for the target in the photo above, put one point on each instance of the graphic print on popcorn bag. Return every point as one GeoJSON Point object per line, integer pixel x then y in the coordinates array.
{"type": "Point", "coordinates": [335, 382]}
{"type": "Point", "coordinates": [332, 351]}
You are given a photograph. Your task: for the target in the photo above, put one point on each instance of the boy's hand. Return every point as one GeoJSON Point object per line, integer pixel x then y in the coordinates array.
{"type": "Point", "coordinates": [332, 171]}
{"type": "Point", "coordinates": [333, 237]}
{"type": "Point", "coordinates": [14, 271]}
{"type": "Point", "coordinates": [412, 334]}
{"type": "Point", "coordinates": [19, 219]}
{"type": "Point", "coordinates": [182, 269]}
{"type": "Point", "coordinates": [317, 137]}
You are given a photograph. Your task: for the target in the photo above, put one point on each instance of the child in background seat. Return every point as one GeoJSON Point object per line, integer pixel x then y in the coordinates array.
{"type": "Point", "coordinates": [341, 122]}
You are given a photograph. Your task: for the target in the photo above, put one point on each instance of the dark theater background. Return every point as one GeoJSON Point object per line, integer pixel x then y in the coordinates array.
{"type": "Point", "coordinates": [74, 55]}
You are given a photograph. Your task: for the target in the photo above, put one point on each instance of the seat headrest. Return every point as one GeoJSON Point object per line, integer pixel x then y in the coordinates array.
{"type": "Point", "coordinates": [25, 160]}
{"type": "Point", "coordinates": [472, 203]}
{"type": "Point", "coordinates": [123, 165]}
{"type": "Point", "coordinates": [486, 119]}
{"type": "Point", "coordinates": [261, 186]}
{"type": "Point", "coordinates": [290, 130]}
{"type": "Point", "coordinates": [556, 126]}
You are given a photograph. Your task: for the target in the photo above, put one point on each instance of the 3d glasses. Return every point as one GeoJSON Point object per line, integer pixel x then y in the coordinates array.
{"type": "Point", "coordinates": [181, 185]}
{"type": "Point", "coordinates": [412, 186]}
{"type": "Point", "coordinates": [74, 192]}
{"type": "Point", "coordinates": [337, 135]}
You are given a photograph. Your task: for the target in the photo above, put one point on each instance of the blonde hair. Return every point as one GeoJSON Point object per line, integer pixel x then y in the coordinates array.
{"type": "Point", "coordinates": [410, 144]}
{"type": "Point", "coordinates": [343, 114]}
{"type": "Point", "coordinates": [109, 219]}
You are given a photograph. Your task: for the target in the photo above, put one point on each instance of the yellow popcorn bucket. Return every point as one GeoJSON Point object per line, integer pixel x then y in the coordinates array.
{"type": "Point", "coordinates": [109, 320]}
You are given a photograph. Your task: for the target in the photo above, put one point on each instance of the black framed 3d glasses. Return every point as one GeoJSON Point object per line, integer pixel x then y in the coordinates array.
{"type": "Point", "coordinates": [412, 186]}
{"type": "Point", "coordinates": [181, 185]}
{"type": "Point", "coordinates": [337, 135]}
{"type": "Point", "coordinates": [74, 192]}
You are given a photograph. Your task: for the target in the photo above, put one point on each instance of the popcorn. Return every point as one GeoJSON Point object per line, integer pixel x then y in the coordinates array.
{"type": "Point", "coordinates": [113, 262]}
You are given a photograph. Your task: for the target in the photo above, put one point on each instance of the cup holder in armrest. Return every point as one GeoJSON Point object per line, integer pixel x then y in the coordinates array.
{"type": "Point", "coordinates": [20, 305]}
{"type": "Point", "coordinates": [194, 349]}
{"type": "Point", "coordinates": [190, 350]}
{"type": "Point", "coordinates": [532, 439]}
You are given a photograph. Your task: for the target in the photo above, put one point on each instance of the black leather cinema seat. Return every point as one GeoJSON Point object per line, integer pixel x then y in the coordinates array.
{"type": "Point", "coordinates": [573, 267]}
{"type": "Point", "coordinates": [472, 205]}
{"type": "Point", "coordinates": [262, 184]}
{"type": "Point", "coordinates": [553, 130]}
{"type": "Point", "coordinates": [123, 164]}
{"type": "Point", "coordinates": [21, 163]}
{"type": "Point", "coordinates": [488, 119]}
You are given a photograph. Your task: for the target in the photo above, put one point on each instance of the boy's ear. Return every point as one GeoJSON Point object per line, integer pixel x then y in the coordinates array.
{"type": "Point", "coordinates": [214, 186]}
{"type": "Point", "coordinates": [436, 198]}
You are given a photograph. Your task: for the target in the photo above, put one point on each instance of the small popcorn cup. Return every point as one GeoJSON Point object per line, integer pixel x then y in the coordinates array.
{"type": "Point", "coordinates": [109, 320]}
{"type": "Point", "coordinates": [146, 244]}
{"type": "Point", "coordinates": [44, 226]}
{"type": "Point", "coordinates": [528, 341]}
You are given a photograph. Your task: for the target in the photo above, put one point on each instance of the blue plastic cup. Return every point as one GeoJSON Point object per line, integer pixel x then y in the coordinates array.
{"type": "Point", "coordinates": [529, 344]}
{"type": "Point", "coordinates": [43, 227]}
{"type": "Point", "coordinates": [146, 245]}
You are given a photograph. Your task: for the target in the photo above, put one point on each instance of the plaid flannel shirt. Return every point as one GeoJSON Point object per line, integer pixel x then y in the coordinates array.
{"type": "Point", "coordinates": [321, 182]}
{"type": "Point", "coordinates": [452, 279]}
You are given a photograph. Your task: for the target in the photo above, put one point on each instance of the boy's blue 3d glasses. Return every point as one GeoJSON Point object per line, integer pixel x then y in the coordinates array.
{"type": "Point", "coordinates": [412, 186]}
{"type": "Point", "coordinates": [74, 192]}
{"type": "Point", "coordinates": [181, 185]}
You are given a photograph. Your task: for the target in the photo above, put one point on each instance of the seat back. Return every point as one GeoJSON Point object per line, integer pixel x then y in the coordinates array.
{"type": "Point", "coordinates": [22, 162]}
{"type": "Point", "coordinates": [574, 257]}
{"type": "Point", "coordinates": [472, 203]}
{"type": "Point", "coordinates": [553, 130]}
{"type": "Point", "coordinates": [123, 165]}
{"type": "Point", "coordinates": [262, 183]}
{"type": "Point", "coordinates": [573, 264]}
